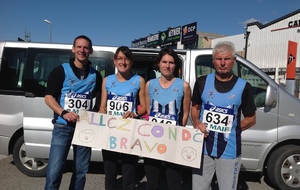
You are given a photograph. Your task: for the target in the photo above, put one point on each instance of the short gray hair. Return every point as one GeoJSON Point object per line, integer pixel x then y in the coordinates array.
{"type": "Point", "coordinates": [224, 47]}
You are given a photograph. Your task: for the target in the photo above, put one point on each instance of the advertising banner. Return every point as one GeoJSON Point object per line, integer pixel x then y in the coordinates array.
{"type": "Point", "coordinates": [291, 61]}
{"type": "Point", "coordinates": [291, 67]}
{"type": "Point", "coordinates": [189, 33]}
{"type": "Point", "coordinates": [170, 36]}
{"type": "Point", "coordinates": [140, 43]}
{"type": "Point", "coordinates": [153, 40]}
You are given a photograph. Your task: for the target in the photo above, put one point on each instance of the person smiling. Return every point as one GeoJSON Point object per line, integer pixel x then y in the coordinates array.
{"type": "Point", "coordinates": [66, 85]}
{"type": "Point", "coordinates": [119, 98]}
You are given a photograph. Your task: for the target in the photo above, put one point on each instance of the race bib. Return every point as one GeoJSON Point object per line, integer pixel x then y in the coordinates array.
{"type": "Point", "coordinates": [161, 118]}
{"type": "Point", "coordinates": [119, 105]}
{"type": "Point", "coordinates": [218, 119]}
{"type": "Point", "coordinates": [77, 101]}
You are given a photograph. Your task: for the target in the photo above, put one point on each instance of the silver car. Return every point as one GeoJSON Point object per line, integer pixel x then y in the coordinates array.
{"type": "Point", "coordinates": [271, 147]}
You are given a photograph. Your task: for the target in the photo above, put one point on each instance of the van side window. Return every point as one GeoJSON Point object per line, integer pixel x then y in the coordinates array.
{"type": "Point", "coordinates": [25, 71]}
{"type": "Point", "coordinates": [143, 65]}
{"type": "Point", "coordinates": [12, 70]}
{"type": "Point", "coordinates": [43, 61]}
{"type": "Point", "coordinates": [205, 66]}
{"type": "Point", "coordinates": [40, 62]}
{"type": "Point", "coordinates": [102, 61]}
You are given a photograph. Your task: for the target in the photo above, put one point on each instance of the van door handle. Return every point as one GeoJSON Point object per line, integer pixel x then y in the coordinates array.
{"type": "Point", "coordinates": [29, 95]}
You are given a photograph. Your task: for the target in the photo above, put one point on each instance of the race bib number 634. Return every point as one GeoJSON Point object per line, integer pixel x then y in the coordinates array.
{"type": "Point", "coordinates": [218, 119]}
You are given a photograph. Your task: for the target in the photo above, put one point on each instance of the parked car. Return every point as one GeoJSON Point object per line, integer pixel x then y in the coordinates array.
{"type": "Point", "coordinates": [271, 147]}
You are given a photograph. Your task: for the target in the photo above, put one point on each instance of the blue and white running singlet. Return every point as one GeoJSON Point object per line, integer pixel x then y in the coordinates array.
{"type": "Point", "coordinates": [76, 94]}
{"type": "Point", "coordinates": [219, 111]}
{"type": "Point", "coordinates": [121, 96]}
{"type": "Point", "coordinates": [165, 103]}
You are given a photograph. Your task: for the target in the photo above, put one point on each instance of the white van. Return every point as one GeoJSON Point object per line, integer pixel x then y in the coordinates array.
{"type": "Point", "coordinates": [271, 147]}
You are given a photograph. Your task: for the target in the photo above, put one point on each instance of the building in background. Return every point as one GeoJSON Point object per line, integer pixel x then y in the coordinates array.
{"type": "Point", "coordinates": [237, 40]}
{"type": "Point", "coordinates": [265, 45]}
{"type": "Point", "coordinates": [180, 37]}
{"type": "Point", "coordinates": [169, 37]}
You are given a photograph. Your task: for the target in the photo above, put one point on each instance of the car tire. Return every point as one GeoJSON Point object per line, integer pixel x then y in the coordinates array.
{"type": "Point", "coordinates": [33, 167]}
{"type": "Point", "coordinates": [283, 167]}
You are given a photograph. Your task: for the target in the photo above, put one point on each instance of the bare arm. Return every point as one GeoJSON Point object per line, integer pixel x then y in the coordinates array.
{"type": "Point", "coordinates": [147, 98]}
{"type": "Point", "coordinates": [142, 98]}
{"type": "Point", "coordinates": [103, 103]}
{"type": "Point", "coordinates": [248, 122]}
{"type": "Point", "coordinates": [53, 104]}
{"type": "Point", "coordinates": [186, 103]}
{"type": "Point", "coordinates": [195, 114]}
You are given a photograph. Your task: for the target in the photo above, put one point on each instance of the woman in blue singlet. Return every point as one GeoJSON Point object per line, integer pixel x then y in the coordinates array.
{"type": "Point", "coordinates": [119, 96]}
{"type": "Point", "coordinates": [168, 101]}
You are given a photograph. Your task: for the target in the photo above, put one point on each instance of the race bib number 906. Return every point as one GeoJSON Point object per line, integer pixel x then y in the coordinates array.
{"type": "Point", "coordinates": [119, 105]}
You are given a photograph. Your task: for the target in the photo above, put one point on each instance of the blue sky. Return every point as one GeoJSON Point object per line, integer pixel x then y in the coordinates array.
{"type": "Point", "coordinates": [115, 22]}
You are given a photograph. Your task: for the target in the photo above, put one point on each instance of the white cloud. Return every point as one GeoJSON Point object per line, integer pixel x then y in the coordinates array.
{"type": "Point", "coordinates": [244, 23]}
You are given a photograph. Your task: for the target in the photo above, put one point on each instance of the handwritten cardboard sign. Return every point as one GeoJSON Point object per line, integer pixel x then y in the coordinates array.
{"type": "Point", "coordinates": [170, 143]}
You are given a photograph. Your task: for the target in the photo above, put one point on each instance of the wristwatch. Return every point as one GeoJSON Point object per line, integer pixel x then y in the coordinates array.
{"type": "Point", "coordinates": [63, 113]}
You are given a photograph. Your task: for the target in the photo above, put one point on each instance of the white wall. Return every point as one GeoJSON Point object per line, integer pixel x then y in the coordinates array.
{"type": "Point", "coordinates": [237, 40]}
{"type": "Point", "coordinates": [268, 46]}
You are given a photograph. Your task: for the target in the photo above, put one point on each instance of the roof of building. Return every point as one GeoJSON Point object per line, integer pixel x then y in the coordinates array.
{"type": "Point", "coordinates": [260, 25]}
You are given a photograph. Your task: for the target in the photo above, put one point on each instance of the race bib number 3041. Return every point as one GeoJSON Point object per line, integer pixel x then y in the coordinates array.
{"type": "Point", "coordinates": [218, 119]}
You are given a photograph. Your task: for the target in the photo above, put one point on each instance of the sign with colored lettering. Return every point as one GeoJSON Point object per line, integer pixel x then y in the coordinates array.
{"type": "Point", "coordinates": [291, 60]}
{"type": "Point", "coordinates": [160, 141]}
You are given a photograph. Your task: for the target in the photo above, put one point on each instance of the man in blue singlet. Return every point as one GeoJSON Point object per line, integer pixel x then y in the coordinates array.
{"type": "Point", "coordinates": [71, 87]}
{"type": "Point", "coordinates": [217, 102]}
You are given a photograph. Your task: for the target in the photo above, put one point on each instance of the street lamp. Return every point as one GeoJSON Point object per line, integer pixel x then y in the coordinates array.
{"type": "Point", "coordinates": [49, 22]}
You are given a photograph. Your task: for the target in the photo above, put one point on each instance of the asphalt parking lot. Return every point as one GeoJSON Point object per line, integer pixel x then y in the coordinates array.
{"type": "Point", "coordinates": [11, 178]}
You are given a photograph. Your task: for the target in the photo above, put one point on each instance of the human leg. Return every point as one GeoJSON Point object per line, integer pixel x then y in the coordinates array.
{"type": "Point", "coordinates": [110, 160]}
{"type": "Point", "coordinates": [152, 171]}
{"type": "Point", "coordinates": [129, 163]}
{"type": "Point", "coordinates": [60, 146]}
{"type": "Point", "coordinates": [173, 175]}
{"type": "Point", "coordinates": [82, 156]}
{"type": "Point", "coordinates": [202, 177]}
{"type": "Point", "coordinates": [227, 171]}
